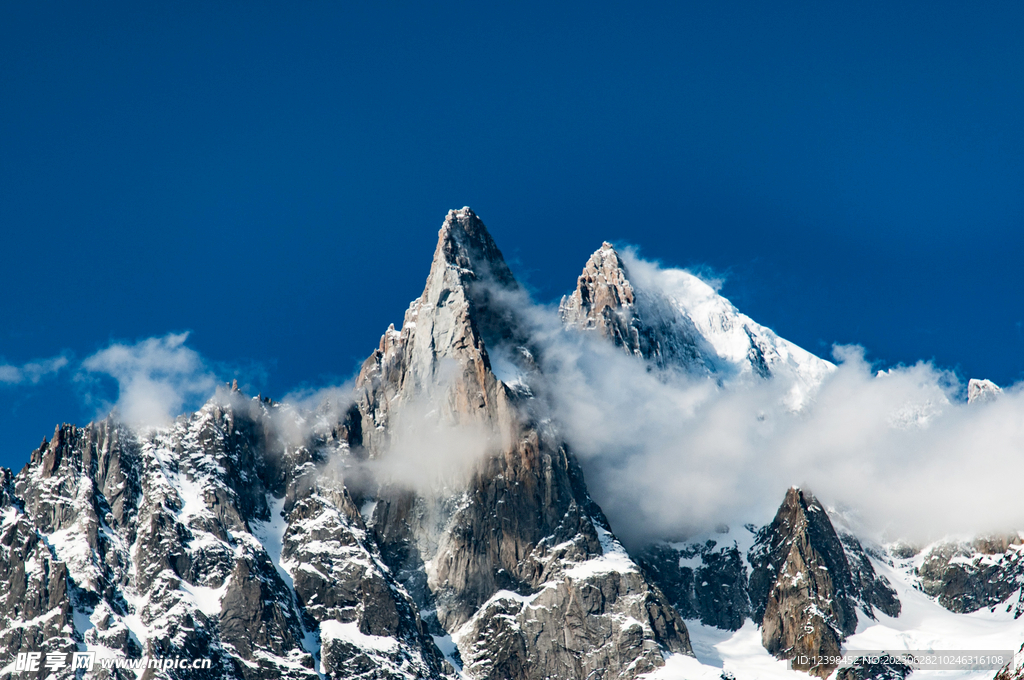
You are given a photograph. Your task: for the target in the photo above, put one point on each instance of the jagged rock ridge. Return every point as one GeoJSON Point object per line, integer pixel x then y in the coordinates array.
{"type": "Point", "coordinates": [210, 539]}
{"type": "Point", "coordinates": [967, 576]}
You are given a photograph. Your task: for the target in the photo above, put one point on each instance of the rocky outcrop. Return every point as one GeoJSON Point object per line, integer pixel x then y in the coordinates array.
{"type": "Point", "coordinates": [803, 588]}
{"type": "Point", "coordinates": [875, 668]}
{"type": "Point", "coordinates": [716, 585]}
{"type": "Point", "coordinates": [37, 614]}
{"type": "Point", "coordinates": [1014, 670]}
{"type": "Point", "coordinates": [515, 561]}
{"type": "Point", "coordinates": [968, 576]}
{"type": "Point", "coordinates": [702, 581]}
{"type": "Point", "coordinates": [871, 591]}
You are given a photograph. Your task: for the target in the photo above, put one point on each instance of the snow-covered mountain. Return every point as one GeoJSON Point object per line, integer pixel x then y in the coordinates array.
{"type": "Point", "coordinates": [438, 525]}
{"type": "Point", "coordinates": [676, 319]}
{"type": "Point", "coordinates": [212, 539]}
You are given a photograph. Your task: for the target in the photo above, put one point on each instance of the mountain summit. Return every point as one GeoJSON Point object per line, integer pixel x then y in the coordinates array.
{"type": "Point", "coordinates": [677, 320]}
{"type": "Point", "coordinates": [642, 323]}
{"type": "Point", "coordinates": [506, 560]}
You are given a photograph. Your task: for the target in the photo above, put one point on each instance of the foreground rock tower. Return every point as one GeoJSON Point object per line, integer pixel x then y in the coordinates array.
{"type": "Point", "coordinates": [519, 565]}
{"type": "Point", "coordinates": [806, 584]}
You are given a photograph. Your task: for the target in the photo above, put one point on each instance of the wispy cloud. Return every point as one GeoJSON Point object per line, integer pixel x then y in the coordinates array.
{"type": "Point", "coordinates": [157, 378]}
{"type": "Point", "coordinates": [32, 372]}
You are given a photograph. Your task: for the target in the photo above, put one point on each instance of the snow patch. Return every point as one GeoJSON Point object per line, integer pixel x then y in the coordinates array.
{"type": "Point", "coordinates": [450, 650]}
{"type": "Point", "coordinates": [349, 632]}
{"type": "Point", "coordinates": [270, 534]}
{"type": "Point", "coordinates": [207, 600]}
{"type": "Point", "coordinates": [614, 558]}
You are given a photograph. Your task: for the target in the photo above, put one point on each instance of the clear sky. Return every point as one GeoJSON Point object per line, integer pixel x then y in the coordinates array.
{"type": "Point", "coordinates": [271, 177]}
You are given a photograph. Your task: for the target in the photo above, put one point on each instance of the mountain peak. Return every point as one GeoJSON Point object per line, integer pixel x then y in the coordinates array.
{"type": "Point", "coordinates": [980, 391]}
{"type": "Point", "coordinates": [643, 325]}
{"type": "Point", "coordinates": [674, 318]}
{"type": "Point", "coordinates": [603, 296]}
{"type": "Point", "coordinates": [467, 306]}
{"type": "Point", "coordinates": [522, 526]}
{"type": "Point", "coordinates": [464, 242]}
{"type": "Point", "coordinates": [806, 582]}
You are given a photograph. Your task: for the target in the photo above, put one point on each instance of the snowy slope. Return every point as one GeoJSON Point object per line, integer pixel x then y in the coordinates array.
{"type": "Point", "coordinates": [740, 345]}
{"type": "Point", "coordinates": [923, 625]}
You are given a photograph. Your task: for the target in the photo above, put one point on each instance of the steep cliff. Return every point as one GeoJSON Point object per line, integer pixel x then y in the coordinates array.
{"type": "Point", "coordinates": [804, 589]}
{"type": "Point", "coordinates": [516, 562]}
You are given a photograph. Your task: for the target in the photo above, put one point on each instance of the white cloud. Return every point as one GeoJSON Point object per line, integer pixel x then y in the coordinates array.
{"type": "Point", "coordinates": [33, 371]}
{"type": "Point", "coordinates": [425, 454]}
{"type": "Point", "coordinates": [156, 377]}
{"type": "Point", "coordinates": [668, 455]}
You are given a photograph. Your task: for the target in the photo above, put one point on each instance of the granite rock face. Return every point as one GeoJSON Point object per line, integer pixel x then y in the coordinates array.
{"type": "Point", "coordinates": [703, 581]}
{"type": "Point", "coordinates": [509, 557]}
{"type": "Point", "coordinates": [973, 575]}
{"type": "Point", "coordinates": [803, 587]}
{"type": "Point", "coordinates": [34, 586]}
{"type": "Point", "coordinates": [803, 581]}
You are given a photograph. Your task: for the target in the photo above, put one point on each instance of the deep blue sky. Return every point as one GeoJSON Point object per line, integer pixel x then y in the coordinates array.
{"type": "Point", "coordinates": [272, 177]}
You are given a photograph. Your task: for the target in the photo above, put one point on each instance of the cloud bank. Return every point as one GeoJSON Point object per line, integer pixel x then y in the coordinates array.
{"type": "Point", "coordinates": [668, 455]}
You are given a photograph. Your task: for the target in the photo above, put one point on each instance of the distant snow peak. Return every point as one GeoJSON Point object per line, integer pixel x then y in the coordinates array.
{"type": "Point", "coordinates": [982, 391]}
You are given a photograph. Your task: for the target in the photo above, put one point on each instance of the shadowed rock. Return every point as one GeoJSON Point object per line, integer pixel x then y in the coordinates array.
{"type": "Point", "coordinates": [802, 589]}
{"type": "Point", "coordinates": [967, 576]}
